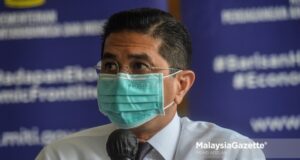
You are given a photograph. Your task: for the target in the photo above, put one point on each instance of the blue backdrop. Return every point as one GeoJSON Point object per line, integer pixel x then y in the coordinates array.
{"type": "Point", "coordinates": [246, 55]}
{"type": "Point", "coordinates": [47, 80]}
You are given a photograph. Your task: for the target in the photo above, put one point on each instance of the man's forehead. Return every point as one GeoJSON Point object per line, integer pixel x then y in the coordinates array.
{"type": "Point", "coordinates": [132, 39]}
{"type": "Point", "coordinates": [133, 45]}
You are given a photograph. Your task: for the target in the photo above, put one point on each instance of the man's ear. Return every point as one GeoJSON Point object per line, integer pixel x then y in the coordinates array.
{"type": "Point", "coordinates": [185, 80]}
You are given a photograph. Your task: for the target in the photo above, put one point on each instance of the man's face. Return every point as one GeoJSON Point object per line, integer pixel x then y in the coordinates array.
{"type": "Point", "coordinates": [139, 50]}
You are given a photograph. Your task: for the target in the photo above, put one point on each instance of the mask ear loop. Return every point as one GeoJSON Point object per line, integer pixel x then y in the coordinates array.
{"type": "Point", "coordinates": [172, 74]}
{"type": "Point", "coordinates": [172, 103]}
{"type": "Point", "coordinates": [169, 105]}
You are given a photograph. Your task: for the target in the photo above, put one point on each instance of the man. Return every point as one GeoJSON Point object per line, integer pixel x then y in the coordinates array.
{"type": "Point", "coordinates": [143, 75]}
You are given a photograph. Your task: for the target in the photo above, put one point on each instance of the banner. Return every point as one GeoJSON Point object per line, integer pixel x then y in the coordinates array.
{"type": "Point", "coordinates": [47, 80]}
{"type": "Point", "coordinates": [246, 55]}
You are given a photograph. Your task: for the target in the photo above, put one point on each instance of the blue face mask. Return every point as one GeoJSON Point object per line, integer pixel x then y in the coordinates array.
{"type": "Point", "coordinates": [131, 100]}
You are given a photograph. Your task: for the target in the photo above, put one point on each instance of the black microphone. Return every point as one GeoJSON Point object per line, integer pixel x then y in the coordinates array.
{"type": "Point", "coordinates": [122, 145]}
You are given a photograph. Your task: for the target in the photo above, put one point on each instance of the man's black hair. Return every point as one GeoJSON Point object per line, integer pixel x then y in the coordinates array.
{"type": "Point", "coordinates": [176, 44]}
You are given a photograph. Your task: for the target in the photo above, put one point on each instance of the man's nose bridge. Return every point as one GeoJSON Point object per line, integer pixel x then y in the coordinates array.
{"type": "Point", "coordinates": [124, 69]}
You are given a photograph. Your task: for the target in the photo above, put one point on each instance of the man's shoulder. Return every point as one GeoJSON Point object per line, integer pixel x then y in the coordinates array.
{"type": "Point", "coordinates": [197, 135]}
{"type": "Point", "coordinates": [98, 131]}
{"type": "Point", "coordinates": [89, 143]}
{"type": "Point", "coordinates": [209, 131]}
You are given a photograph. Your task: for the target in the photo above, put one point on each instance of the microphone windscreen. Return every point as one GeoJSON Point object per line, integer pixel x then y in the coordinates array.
{"type": "Point", "coordinates": [122, 145]}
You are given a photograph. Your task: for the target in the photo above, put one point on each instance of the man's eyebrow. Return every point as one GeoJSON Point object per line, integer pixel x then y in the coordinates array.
{"type": "Point", "coordinates": [140, 56]}
{"type": "Point", "coordinates": [135, 56]}
{"type": "Point", "coordinates": [108, 55]}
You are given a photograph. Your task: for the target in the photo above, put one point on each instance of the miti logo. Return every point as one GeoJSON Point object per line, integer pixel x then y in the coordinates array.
{"type": "Point", "coordinates": [23, 3]}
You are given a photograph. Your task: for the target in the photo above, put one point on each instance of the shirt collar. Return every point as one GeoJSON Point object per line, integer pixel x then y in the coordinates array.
{"type": "Point", "coordinates": [165, 141]}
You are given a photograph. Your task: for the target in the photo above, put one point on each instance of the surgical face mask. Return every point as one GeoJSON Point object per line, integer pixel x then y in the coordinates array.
{"type": "Point", "coordinates": [131, 100]}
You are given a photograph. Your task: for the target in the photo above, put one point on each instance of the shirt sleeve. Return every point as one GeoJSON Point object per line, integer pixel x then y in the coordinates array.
{"type": "Point", "coordinates": [244, 148]}
{"type": "Point", "coordinates": [47, 153]}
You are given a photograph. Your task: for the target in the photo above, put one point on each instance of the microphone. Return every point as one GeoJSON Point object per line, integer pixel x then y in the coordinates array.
{"type": "Point", "coordinates": [122, 145]}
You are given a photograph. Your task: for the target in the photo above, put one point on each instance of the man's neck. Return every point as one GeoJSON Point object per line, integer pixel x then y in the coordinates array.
{"type": "Point", "coordinates": [149, 129]}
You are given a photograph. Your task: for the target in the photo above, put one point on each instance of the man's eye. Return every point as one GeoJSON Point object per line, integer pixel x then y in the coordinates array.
{"type": "Point", "coordinates": [109, 66]}
{"type": "Point", "coordinates": [140, 68]}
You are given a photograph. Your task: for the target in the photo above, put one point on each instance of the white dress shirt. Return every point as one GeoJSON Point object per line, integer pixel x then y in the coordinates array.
{"type": "Point", "coordinates": [179, 140]}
